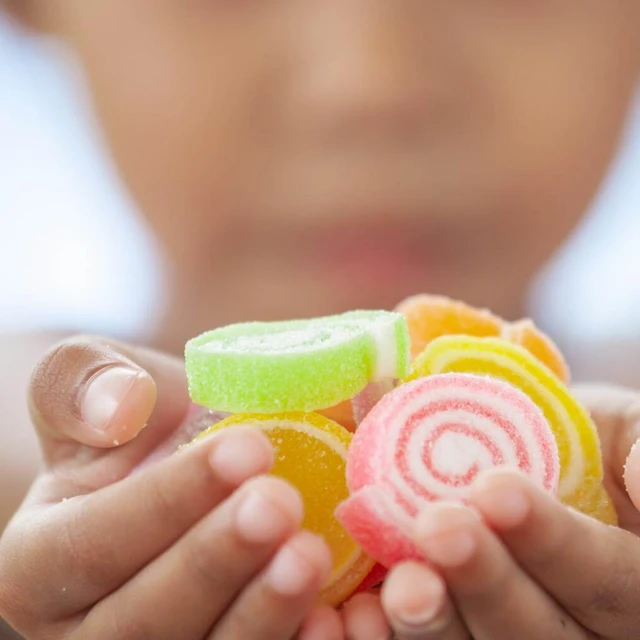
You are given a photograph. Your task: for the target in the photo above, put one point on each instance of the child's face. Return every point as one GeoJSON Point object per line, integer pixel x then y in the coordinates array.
{"type": "Point", "coordinates": [321, 154]}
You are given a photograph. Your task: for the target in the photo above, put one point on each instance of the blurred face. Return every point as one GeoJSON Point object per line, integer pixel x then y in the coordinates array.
{"type": "Point", "coordinates": [300, 157]}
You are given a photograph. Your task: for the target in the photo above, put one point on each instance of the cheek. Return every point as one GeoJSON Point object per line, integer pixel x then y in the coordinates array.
{"type": "Point", "coordinates": [177, 116]}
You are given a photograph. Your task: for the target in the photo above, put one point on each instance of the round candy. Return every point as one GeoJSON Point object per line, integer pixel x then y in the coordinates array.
{"type": "Point", "coordinates": [575, 433]}
{"type": "Point", "coordinates": [430, 317]}
{"type": "Point", "coordinates": [538, 344]}
{"type": "Point", "coordinates": [311, 454]}
{"type": "Point", "coordinates": [299, 365]}
{"type": "Point", "coordinates": [428, 440]}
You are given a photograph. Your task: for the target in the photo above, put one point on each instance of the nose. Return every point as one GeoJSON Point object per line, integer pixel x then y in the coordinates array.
{"type": "Point", "coordinates": [362, 68]}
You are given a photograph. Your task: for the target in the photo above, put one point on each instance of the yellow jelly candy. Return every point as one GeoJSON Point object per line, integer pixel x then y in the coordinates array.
{"type": "Point", "coordinates": [576, 435]}
{"type": "Point", "coordinates": [311, 454]}
{"type": "Point", "coordinates": [601, 507]}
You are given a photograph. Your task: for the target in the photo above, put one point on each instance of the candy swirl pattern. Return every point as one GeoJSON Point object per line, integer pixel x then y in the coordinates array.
{"type": "Point", "coordinates": [574, 431]}
{"type": "Point", "coordinates": [428, 440]}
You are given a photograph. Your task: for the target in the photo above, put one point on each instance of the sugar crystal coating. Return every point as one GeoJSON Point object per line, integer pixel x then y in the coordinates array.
{"type": "Point", "coordinates": [538, 344]}
{"type": "Point", "coordinates": [575, 433]}
{"type": "Point", "coordinates": [428, 440]}
{"type": "Point", "coordinates": [430, 317]}
{"type": "Point", "coordinates": [298, 365]}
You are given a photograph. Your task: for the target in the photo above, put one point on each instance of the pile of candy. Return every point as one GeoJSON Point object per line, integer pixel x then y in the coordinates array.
{"type": "Point", "coordinates": [479, 393]}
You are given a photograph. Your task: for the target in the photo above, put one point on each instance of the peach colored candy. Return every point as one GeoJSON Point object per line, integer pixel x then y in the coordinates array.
{"type": "Point", "coordinates": [430, 317]}
{"type": "Point", "coordinates": [342, 414]}
{"type": "Point", "coordinates": [538, 344]}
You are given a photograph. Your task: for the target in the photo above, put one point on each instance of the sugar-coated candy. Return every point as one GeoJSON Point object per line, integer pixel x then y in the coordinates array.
{"type": "Point", "coordinates": [374, 578]}
{"type": "Point", "coordinates": [298, 365]}
{"type": "Point", "coordinates": [342, 413]}
{"type": "Point", "coordinates": [311, 453]}
{"type": "Point", "coordinates": [538, 344]}
{"type": "Point", "coordinates": [430, 317]}
{"type": "Point", "coordinates": [581, 470]}
{"type": "Point", "coordinates": [428, 440]}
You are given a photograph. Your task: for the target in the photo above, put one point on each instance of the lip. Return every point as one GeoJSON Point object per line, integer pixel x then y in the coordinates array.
{"type": "Point", "coordinates": [374, 256]}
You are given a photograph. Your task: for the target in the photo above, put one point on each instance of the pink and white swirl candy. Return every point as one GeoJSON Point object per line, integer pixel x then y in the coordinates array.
{"type": "Point", "coordinates": [428, 440]}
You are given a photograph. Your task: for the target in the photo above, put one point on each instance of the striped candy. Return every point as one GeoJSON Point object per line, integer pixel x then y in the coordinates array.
{"type": "Point", "coordinates": [576, 435]}
{"type": "Point", "coordinates": [428, 440]}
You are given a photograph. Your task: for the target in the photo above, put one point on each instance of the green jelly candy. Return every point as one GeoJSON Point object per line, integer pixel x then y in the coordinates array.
{"type": "Point", "coordinates": [297, 365]}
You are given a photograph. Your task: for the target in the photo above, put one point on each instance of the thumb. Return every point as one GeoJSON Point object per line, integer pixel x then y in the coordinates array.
{"type": "Point", "coordinates": [89, 392]}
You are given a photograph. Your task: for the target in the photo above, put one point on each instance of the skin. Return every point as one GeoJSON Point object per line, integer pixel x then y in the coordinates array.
{"type": "Point", "coordinates": [96, 580]}
{"type": "Point", "coordinates": [439, 146]}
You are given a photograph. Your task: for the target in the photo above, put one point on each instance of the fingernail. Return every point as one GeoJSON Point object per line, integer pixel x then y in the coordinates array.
{"type": "Point", "coordinates": [419, 601]}
{"type": "Point", "coordinates": [260, 519]}
{"type": "Point", "coordinates": [240, 454]}
{"type": "Point", "coordinates": [505, 506]}
{"type": "Point", "coordinates": [104, 394]}
{"type": "Point", "coordinates": [290, 573]}
{"type": "Point", "coordinates": [445, 536]}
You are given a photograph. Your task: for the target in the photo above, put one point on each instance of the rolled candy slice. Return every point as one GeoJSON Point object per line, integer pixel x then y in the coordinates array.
{"type": "Point", "coordinates": [428, 440]}
{"type": "Point", "coordinates": [575, 433]}
{"type": "Point", "coordinates": [311, 454]}
{"type": "Point", "coordinates": [430, 317]}
{"type": "Point", "coordinates": [299, 365]}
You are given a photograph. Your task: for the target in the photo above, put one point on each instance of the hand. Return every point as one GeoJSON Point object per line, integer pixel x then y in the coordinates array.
{"type": "Point", "coordinates": [110, 545]}
{"type": "Point", "coordinates": [518, 564]}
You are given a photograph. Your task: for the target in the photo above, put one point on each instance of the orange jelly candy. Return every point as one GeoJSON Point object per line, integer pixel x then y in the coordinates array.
{"type": "Point", "coordinates": [311, 454]}
{"type": "Point", "coordinates": [538, 344]}
{"type": "Point", "coordinates": [430, 317]}
{"type": "Point", "coordinates": [342, 414]}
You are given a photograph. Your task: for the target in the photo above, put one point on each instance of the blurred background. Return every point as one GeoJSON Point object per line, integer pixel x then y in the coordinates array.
{"type": "Point", "coordinates": [61, 205]}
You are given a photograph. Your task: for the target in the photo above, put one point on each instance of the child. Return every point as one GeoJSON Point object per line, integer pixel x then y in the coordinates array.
{"type": "Point", "coordinates": [304, 158]}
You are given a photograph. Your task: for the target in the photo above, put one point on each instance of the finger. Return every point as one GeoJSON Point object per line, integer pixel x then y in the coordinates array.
{"type": "Point", "coordinates": [416, 602]}
{"type": "Point", "coordinates": [323, 623]}
{"type": "Point", "coordinates": [590, 568]}
{"type": "Point", "coordinates": [183, 592]}
{"type": "Point", "coordinates": [632, 480]}
{"type": "Point", "coordinates": [495, 598]}
{"type": "Point", "coordinates": [616, 412]}
{"type": "Point", "coordinates": [364, 618]}
{"type": "Point", "coordinates": [274, 605]}
{"type": "Point", "coordinates": [98, 393]}
{"type": "Point", "coordinates": [91, 545]}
